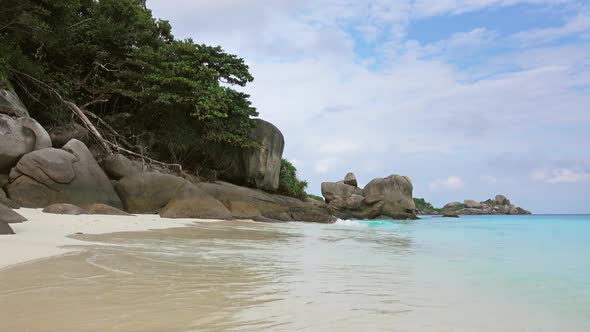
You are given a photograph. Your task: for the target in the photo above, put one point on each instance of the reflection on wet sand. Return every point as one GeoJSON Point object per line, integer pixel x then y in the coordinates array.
{"type": "Point", "coordinates": [140, 283]}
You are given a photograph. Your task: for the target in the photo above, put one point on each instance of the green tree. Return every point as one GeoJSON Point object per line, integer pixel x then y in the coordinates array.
{"type": "Point", "coordinates": [116, 52]}
{"type": "Point", "coordinates": [289, 184]}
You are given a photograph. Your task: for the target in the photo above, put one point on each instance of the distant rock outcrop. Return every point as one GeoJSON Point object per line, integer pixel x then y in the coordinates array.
{"type": "Point", "coordinates": [499, 205]}
{"type": "Point", "coordinates": [389, 197]}
{"type": "Point", "coordinates": [68, 175]}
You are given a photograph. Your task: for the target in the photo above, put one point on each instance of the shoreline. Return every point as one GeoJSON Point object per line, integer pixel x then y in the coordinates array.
{"type": "Point", "coordinates": [45, 235]}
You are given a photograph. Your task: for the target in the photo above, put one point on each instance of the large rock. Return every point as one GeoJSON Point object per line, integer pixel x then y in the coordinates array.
{"type": "Point", "coordinates": [148, 192]}
{"type": "Point", "coordinates": [7, 215]}
{"type": "Point", "coordinates": [247, 202]}
{"type": "Point", "coordinates": [389, 197]}
{"type": "Point", "coordinates": [19, 137]}
{"type": "Point", "coordinates": [191, 202]}
{"type": "Point", "coordinates": [107, 210]}
{"type": "Point", "coordinates": [6, 201]}
{"type": "Point", "coordinates": [395, 192]}
{"type": "Point", "coordinates": [117, 166]}
{"type": "Point", "coordinates": [350, 179]}
{"type": "Point", "coordinates": [63, 208]}
{"type": "Point", "coordinates": [263, 165]}
{"type": "Point", "coordinates": [332, 190]}
{"type": "Point", "coordinates": [253, 167]}
{"type": "Point", "coordinates": [10, 103]}
{"type": "Point", "coordinates": [68, 175]}
{"type": "Point", "coordinates": [168, 195]}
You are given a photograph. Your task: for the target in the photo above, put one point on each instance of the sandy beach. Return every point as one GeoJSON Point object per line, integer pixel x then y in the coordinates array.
{"type": "Point", "coordinates": [45, 235]}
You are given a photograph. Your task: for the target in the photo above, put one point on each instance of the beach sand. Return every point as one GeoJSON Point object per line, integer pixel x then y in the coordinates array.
{"type": "Point", "coordinates": [45, 235]}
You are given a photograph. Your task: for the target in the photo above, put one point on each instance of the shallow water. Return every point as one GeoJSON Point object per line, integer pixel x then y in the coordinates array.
{"type": "Point", "coordinates": [500, 273]}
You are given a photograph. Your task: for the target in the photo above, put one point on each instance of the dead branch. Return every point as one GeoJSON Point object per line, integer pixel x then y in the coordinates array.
{"type": "Point", "coordinates": [89, 126]}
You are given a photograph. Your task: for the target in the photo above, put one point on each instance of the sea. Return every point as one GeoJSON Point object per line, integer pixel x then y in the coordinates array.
{"type": "Point", "coordinates": [474, 273]}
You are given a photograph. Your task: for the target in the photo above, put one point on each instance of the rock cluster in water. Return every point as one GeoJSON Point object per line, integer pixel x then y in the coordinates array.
{"type": "Point", "coordinates": [500, 205]}
{"type": "Point", "coordinates": [389, 198]}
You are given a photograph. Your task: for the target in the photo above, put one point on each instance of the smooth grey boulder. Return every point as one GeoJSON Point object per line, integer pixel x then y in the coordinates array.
{"type": "Point", "coordinates": [7, 215]}
{"type": "Point", "coordinates": [395, 192]}
{"type": "Point", "coordinates": [5, 229]}
{"type": "Point", "coordinates": [242, 210]}
{"type": "Point", "coordinates": [246, 202]}
{"type": "Point", "coordinates": [117, 166]}
{"type": "Point", "coordinates": [168, 195]}
{"type": "Point", "coordinates": [106, 210]}
{"type": "Point", "coordinates": [147, 192]}
{"type": "Point", "coordinates": [68, 175]}
{"type": "Point", "coordinates": [191, 202]}
{"type": "Point", "coordinates": [19, 137]}
{"type": "Point", "coordinates": [350, 179]}
{"type": "Point", "coordinates": [263, 165]}
{"type": "Point", "coordinates": [253, 167]}
{"type": "Point", "coordinates": [10, 104]}
{"type": "Point", "coordinates": [331, 190]}
{"type": "Point", "coordinates": [6, 201]}
{"type": "Point", "coordinates": [63, 208]}
{"type": "Point", "coordinates": [389, 197]}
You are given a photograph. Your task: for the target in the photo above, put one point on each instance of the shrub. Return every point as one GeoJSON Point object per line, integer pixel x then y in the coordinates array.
{"type": "Point", "coordinates": [422, 204]}
{"type": "Point", "coordinates": [289, 184]}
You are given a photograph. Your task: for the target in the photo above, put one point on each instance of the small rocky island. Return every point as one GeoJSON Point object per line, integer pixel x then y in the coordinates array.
{"type": "Point", "coordinates": [500, 205]}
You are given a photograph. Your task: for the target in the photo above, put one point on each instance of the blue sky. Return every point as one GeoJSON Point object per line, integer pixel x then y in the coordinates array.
{"type": "Point", "coordinates": [470, 98]}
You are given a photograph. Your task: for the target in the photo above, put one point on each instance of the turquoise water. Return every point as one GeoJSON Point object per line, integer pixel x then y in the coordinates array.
{"type": "Point", "coordinates": [542, 259]}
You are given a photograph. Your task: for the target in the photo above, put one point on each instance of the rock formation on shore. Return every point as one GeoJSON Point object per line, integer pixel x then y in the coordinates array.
{"type": "Point", "coordinates": [389, 197]}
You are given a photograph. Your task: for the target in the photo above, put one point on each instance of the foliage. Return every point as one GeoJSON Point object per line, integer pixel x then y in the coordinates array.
{"type": "Point", "coordinates": [116, 52]}
{"type": "Point", "coordinates": [316, 197]}
{"type": "Point", "coordinates": [289, 184]}
{"type": "Point", "coordinates": [423, 205]}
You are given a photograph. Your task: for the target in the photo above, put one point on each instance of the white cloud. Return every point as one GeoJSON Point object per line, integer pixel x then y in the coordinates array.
{"type": "Point", "coordinates": [560, 175]}
{"type": "Point", "coordinates": [450, 183]}
{"type": "Point", "coordinates": [575, 25]}
{"type": "Point", "coordinates": [414, 111]}
{"type": "Point", "coordinates": [488, 179]}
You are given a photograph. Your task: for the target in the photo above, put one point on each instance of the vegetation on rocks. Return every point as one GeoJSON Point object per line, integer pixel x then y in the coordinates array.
{"type": "Point", "coordinates": [289, 184]}
{"type": "Point", "coordinates": [423, 205]}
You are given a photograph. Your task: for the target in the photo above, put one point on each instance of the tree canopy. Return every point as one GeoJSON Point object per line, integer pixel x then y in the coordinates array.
{"type": "Point", "coordinates": [114, 56]}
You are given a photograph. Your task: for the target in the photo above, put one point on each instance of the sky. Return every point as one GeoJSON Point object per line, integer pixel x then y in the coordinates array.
{"type": "Point", "coordinates": [469, 98]}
